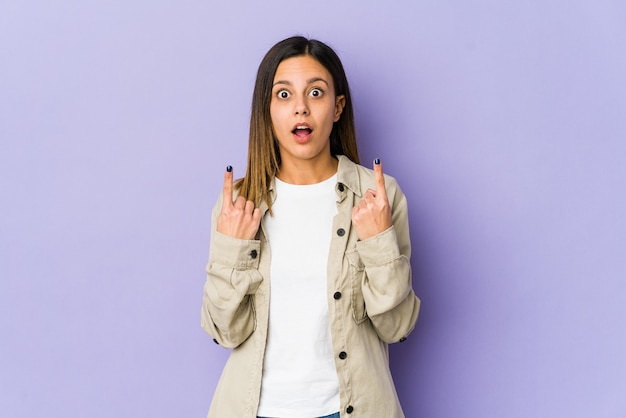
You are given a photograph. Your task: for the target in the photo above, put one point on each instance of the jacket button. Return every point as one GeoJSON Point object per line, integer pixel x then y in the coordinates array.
{"type": "Point", "coordinates": [341, 232]}
{"type": "Point", "coordinates": [337, 295]}
{"type": "Point", "coordinates": [403, 339]}
{"type": "Point", "coordinates": [340, 187]}
{"type": "Point", "coordinates": [215, 341]}
{"type": "Point", "coordinates": [253, 254]}
{"type": "Point", "coordinates": [343, 355]}
{"type": "Point", "coordinates": [349, 409]}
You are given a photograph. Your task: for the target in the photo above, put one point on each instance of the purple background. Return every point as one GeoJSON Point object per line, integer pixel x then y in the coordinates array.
{"type": "Point", "coordinates": [505, 123]}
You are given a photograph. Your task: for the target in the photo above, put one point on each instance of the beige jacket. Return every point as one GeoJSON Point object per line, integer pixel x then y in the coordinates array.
{"type": "Point", "coordinates": [370, 301]}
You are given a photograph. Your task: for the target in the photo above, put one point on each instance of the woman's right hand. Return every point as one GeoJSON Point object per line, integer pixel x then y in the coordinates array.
{"type": "Point", "coordinates": [238, 219]}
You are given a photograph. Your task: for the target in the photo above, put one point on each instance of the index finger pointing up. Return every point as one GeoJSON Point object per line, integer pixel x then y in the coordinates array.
{"type": "Point", "coordinates": [228, 186]}
{"type": "Point", "coordinates": [380, 179]}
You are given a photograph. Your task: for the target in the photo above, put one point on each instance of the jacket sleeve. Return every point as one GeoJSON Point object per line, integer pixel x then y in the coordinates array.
{"type": "Point", "coordinates": [232, 279]}
{"type": "Point", "coordinates": [387, 288]}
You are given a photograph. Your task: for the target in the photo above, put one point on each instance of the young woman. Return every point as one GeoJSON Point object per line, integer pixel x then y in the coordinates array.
{"type": "Point", "coordinates": [308, 275]}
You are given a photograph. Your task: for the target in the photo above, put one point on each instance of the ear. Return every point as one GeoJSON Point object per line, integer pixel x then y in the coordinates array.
{"type": "Point", "coordinates": [340, 103]}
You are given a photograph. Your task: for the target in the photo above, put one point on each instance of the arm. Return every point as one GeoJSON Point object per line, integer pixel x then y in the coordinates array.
{"type": "Point", "coordinates": [384, 246]}
{"type": "Point", "coordinates": [232, 272]}
{"type": "Point", "coordinates": [387, 286]}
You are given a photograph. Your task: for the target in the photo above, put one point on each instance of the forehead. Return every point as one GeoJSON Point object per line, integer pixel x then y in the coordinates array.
{"type": "Point", "coordinates": [301, 68]}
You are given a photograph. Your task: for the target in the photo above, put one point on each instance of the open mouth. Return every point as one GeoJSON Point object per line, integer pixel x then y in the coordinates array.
{"type": "Point", "coordinates": [302, 131]}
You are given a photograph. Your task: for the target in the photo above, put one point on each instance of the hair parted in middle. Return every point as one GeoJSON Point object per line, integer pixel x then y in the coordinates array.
{"type": "Point", "coordinates": [263, 152]}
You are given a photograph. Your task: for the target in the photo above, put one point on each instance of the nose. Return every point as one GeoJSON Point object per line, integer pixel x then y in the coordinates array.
{"type": "Point", "coordinates": [301, 107]}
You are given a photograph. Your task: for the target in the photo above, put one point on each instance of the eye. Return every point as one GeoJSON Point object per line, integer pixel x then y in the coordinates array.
{"type": "Point", "coordinates": [316, 92]}
{"type": "Point", "coordinates": [283, 94]}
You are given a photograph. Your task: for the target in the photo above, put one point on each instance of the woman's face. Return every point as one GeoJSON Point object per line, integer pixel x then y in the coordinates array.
{"type": "Point", "coordinates": [303, 109]}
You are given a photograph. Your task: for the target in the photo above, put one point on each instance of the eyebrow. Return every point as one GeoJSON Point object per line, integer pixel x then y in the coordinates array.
{"type": "Point", "coordinates": [309, 81]}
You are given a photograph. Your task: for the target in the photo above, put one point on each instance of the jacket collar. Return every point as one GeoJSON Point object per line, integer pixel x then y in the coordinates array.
{"type": "Point", "coordinates": [347, 176]}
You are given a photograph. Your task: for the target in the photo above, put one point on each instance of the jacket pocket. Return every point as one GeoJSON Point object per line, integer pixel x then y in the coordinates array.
{"type": "Point", "coordinates": [356, 276]}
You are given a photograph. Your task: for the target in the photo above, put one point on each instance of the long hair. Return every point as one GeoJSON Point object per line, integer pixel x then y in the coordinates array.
{"type": "Point", "coordinates": [263, 152]}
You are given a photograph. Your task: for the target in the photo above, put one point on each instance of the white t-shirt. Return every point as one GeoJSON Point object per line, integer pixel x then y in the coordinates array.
{"type": "Point", "coordinates": [299, 376]}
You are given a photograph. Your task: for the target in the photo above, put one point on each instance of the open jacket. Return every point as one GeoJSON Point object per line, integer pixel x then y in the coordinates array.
{"type": "Point", "coordinates": [370, 301]}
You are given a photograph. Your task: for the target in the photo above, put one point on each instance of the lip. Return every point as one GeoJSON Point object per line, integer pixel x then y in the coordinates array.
{"type": "Point", "coordinates": [301, 124]}
{"type": "Point", "coordinates": [301, 139]}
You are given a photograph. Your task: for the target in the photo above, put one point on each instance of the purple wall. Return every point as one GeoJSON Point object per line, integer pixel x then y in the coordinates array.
{"type": "Point", "coordinates": [504, 123]}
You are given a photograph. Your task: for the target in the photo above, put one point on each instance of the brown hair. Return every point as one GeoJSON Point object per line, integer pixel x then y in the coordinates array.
{"type": "Point", "coordinates": [263, 153]}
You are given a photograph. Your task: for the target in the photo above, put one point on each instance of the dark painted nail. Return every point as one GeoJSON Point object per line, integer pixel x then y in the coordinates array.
{"type": "Point", "coordinates": [377, 161]}
{"type": "Point", "coordinates": [229, 168]}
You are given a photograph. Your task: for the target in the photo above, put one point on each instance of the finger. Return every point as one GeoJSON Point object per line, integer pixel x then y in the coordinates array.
{"type": "Point", "coordinates": [379, 178]}
{"type": "Point", "coordinates": [370, 194]}
{"type": "Point", "coordinates": [228, 187]}
{"type": "Point", "coordinates": [256, 215]}
{"type": "Point", "coordinates": [249, 207]}
{"type": "Point", "coordinates": [369, 198]}
{"type": "Point", "coordinates": [240, 203]}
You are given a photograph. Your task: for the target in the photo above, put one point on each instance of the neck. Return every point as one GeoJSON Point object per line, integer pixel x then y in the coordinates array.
{"type": "Point", "coordinates": [303, 172]}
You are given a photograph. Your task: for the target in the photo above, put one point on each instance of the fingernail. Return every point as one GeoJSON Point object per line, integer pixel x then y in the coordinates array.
{"type": "Point", "coordinates": [229, 168]}
{"type": "Point", "coordinates": [377, 161]}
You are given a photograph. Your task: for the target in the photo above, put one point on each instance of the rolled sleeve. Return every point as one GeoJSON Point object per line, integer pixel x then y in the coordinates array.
{"type": "Point", "coordinates": [228, 312]}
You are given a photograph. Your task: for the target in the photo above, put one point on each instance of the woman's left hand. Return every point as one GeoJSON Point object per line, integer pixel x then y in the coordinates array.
{"type": "Point", "coordinates": [373, 214]}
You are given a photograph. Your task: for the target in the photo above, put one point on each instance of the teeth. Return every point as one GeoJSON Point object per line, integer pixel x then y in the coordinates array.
{"type": "Point", "coordinates": [302, 127]}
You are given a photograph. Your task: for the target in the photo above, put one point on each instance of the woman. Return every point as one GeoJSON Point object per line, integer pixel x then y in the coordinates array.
{"type": "Point", "coordinates": [308, 275]}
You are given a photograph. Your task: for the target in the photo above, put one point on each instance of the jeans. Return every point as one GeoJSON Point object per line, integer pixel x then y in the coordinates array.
{"type": "Point", "coordinates": [335, 415]}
